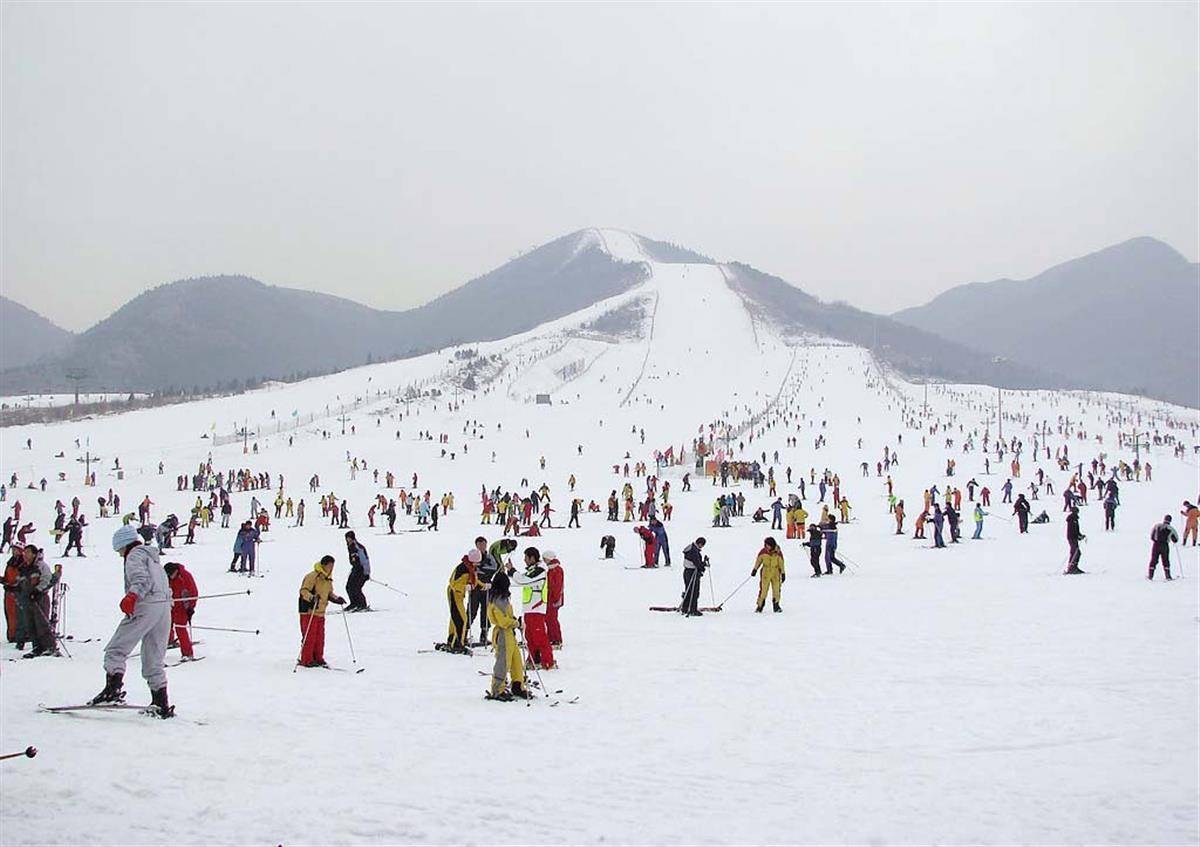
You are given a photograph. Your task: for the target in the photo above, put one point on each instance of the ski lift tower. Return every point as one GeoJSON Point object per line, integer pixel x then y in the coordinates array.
{"type": "Point", "coordinates": [76, 376]}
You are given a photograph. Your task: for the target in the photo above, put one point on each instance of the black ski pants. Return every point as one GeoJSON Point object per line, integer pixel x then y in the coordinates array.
{"type": "Point", "coordinates": [354, 586]}
{"type": "Point", "coordinates": [691, 590]}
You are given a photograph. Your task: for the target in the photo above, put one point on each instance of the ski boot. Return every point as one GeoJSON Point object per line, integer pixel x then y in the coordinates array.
{"type": "Point", "coordinates": [113, 692]}
{"type": "Point", "coordinates": [758, 608]}
{"type": "Point", "coordinates": [501, 695]}
{"type": "Point", "coordinates": [159, 707]}
{"type": "Point", "coordinates": [775, 607]}
{"type": "Point", "coordinates": [519, 691]}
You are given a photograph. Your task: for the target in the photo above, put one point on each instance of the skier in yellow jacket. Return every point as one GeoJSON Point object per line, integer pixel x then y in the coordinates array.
{"type": "Point", "coordinates": [462, 578]}
{"type": "Point", "coordinates": [316, 593]}
{"type": "Point", "coordinates": [504, 625]}
{"type": "Point", "coordinates": [771, 574]}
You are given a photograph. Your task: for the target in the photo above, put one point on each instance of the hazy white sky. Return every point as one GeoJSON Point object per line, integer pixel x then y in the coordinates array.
{"type": "Point", "coordinates": [387, 153]}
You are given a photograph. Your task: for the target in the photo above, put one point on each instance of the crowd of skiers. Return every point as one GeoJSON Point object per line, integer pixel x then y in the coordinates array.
{"type": "Point", "coordinates": [160, 601]}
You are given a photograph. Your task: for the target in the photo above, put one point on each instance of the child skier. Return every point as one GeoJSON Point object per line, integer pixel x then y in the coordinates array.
{"type": "Point", "coordinates": [504, 641]}
{"type": "Point", "coordinates": [183, 605]}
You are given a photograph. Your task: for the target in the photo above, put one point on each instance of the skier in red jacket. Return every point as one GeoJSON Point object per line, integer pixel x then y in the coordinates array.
{"type": "Point", "coordinates": [554, 598]}
{"type": "Point", "coordinates": [650, 545]}
{"type": "Point", "coordinates": [183, 604]}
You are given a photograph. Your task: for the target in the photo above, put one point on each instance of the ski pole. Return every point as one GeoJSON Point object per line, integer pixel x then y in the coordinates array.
{"type": "Point", "coordinates": [225, 629]}
{"type": "Point", "coordinates": [346, 621]}
{"type": "Point", "coordinates": [682, 607]}
{"type": "Point", "coordinates": [735, 591]}
{"type": "Point", "coordinates": [28, 752]}
{"type": "Point", "coordinates": [199, 597]}
{"type": "Point", "coordinates": [712, 592]}
{"type": "Point", "coordinates": [388, 587]}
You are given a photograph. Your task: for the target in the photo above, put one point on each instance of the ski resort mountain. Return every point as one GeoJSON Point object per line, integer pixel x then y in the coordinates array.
{"type": "Point", "coordinates": [26, 336]}
{"type": "Point", "coordinates": [1121, 319]}
{"type": "Point", "coordinates": [230, 332]}
{"type": "Point", "coordinates": [963, 693]}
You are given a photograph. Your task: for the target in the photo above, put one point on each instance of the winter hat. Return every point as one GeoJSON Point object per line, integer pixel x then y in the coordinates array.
{"type": "Point", "coordinates": [549, 556]}
{"type": "Point", "coordinates": [123, 537]}
{"type": "Point", "coordinates": [474, 556]}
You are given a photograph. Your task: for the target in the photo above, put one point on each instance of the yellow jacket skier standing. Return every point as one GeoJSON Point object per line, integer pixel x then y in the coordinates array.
{"type": "Point", "coordinates": [504, 623]}
{"type": "Point", "coordinates": [771, 574]}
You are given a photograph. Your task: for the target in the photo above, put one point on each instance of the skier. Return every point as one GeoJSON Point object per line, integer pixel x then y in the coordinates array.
{"type": "Point", "coordinates": [484, 573]}
{"type": "Point", "coordinates": [74, 531]}
{"type": "Point", "coordinates": [33, 601]}
{"type": "Point", "coordinates": [147, 621]}
{"type": "Point", "coordinates": [608, 544]}
{"type": "Point", "coordinates": [461, 579]}
{"type": "Point", "coordinates": [1110, 512]}
{"type": "Point", "coordinates": [777, 514]}
{"type": "Point", "coordinates": [649, 545]}
{"type": "Point", "coordinates": [770, 563]}
{"type": "Point", "coordinates": [1161, 537]}
{"type": "Point", "coordinates": [243, 548]}
{"type": "Point", "coordinates": [815, 538]}
{"type": "Point", "coordinates": [508, 654]}
{"type": "Point", "coordinates": [183, 605]}
{"type": "Point", "coordinates": [979, 516]}
{"type": "Point", "coordinates": [694, 563]}
{"type": "Point", "coordinates": [1021, 510]}
{"type": "Point", "coordinates": [316, 593]}
{"type": "Point", "coordinates": [1191, 521]}
{"type": "Point", "coordinates": [12, 615]}
{"type": "Point", "coordinates": [938, 521]}
{"type": "Point", "coordinates": [554, 597]}
{"type": "Point", "coordinates": [661, 544]}
{"type": "Point", "coordinates": [830, 532]}
{"type": "Point", "coordinates": [1074, 536]}
{"type": "Point", "coordinates": [360, 574]}
{"type": "Point", "coordinates": [533, 596]}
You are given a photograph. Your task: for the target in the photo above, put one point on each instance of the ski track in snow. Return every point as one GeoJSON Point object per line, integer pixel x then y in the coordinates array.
{"type": "Point", "coordinates": [950, 696]}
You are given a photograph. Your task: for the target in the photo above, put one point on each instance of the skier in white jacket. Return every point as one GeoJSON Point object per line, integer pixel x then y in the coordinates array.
{"type": "Point", "coordinates": [147, 608]}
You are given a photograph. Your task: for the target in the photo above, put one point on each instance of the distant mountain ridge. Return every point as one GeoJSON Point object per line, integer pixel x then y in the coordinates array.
{"type": "Point", "coordinates": [232, 332]}
{"type": "Point", "coordinates": [229, 332]}
{"type": "Point", "coordinates": [26, 336]}
{"type": "Point", "coordinates": [1125, 318]}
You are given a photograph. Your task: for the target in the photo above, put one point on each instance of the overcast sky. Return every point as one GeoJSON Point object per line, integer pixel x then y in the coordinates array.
{"type": "Point", "coordinates": [387, 153]}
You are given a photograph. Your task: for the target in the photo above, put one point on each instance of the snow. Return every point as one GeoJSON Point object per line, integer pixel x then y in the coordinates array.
{"type": "Point", "coordinates": [966, 695]}
{"type": "Point", "coordinates": [42, 401]}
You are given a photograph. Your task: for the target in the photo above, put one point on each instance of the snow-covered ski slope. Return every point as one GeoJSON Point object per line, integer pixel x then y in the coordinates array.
{"type": "Point", "coordinates": [966, 695]}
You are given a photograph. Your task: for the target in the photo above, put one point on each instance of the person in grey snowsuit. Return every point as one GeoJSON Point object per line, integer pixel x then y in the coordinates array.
{"type": "Point", "coordinates": [147, 608]}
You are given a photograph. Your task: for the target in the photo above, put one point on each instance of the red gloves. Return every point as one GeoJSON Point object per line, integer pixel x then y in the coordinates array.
{"type": "Point", "coordinates": [128, 602]}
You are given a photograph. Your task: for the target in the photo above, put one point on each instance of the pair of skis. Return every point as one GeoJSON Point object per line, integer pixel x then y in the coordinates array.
{"type": "Point", "coordinates": [143, 711]}
{"type": "Point", "coordinates": [487, 695]}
